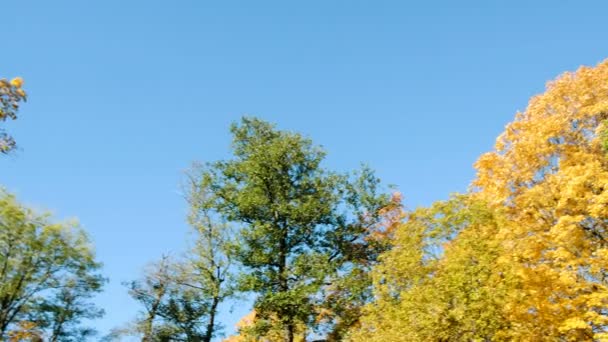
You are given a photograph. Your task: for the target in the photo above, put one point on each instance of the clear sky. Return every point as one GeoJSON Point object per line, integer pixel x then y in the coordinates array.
{"type": "Point", "coordinates": [124, 95]}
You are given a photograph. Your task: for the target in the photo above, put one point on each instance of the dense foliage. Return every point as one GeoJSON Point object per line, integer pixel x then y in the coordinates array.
{"type": "Point", "coordinates": [523, 256]}
{"type": "Point", "coordinates": [303, 229]}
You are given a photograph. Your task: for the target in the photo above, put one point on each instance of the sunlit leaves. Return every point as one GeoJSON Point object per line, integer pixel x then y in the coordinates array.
{"type": "Point", "coordinates": [442, 280]}
{"type": "Point", "coordinates": [11, 94]}
{"type": "Point", "coordinates": [47, 274]}
{"type": "Point", "coordinates": [550, 172]}
{"type": "Point", "coordinates": [301, 227]}
{"type": "Point", "coordinates": [524, 256]}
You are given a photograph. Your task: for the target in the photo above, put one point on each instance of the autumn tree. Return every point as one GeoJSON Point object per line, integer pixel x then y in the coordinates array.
{"type": "Point", "coordinates": [443, 280]}
{"type": "Point", "coordinates": [25, 331]}
{"type": "Point", "coordinates": [241, 327]}
{"type": "Point", "coordinates": [11, 94]}
{"type": "Point", "coordinates": [345, 297]}
{"type": "Point", "coordinates": [543, 250]}
{"type": "Point", "coordinates": [549, 171]}
{"type": "Point", "coordinates": [47, 275]}
{"type": "Point", "coordinates": [301, 226]}
{"type": "Point", "coordinates": [248, 332]}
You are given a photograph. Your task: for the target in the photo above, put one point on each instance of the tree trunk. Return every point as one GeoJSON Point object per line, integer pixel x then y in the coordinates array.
{"type": "Point", "coordinates": [283, 283]}
{"type": "Point", "coordinates": [211, 323]}
{"type": "Point", "coordinates": [290, 333]}
{"type": "Point", "coordinates": [149, 323]}
{"type": "Point", "coordinates": [3, 328]}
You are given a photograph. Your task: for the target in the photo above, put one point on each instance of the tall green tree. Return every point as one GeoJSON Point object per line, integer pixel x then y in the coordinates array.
{"type": "Point", "coordinates": [300, 225]}
{"type": "Point", "coordinates": [47, 274]}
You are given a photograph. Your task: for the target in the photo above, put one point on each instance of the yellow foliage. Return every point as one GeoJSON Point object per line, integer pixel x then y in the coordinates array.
{"type": "Point", "coordinates": [523, 256]}
{"type": "Point", "coordinates": [245, 327]}
{"type": "Point", "coordinates": [433, 286]}
{"type": "Point", "coordinates": [17, 82]}
{"type": "Point", "coordinates": [550, 173]}
{"type": "Point", "coordinates": [25, 331]}
{"type": "Point", "coordinates": [11, 95]}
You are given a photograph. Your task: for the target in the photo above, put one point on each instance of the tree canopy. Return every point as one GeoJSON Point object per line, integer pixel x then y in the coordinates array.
{"type": "Point", "coordinates": [523, 256]}
{"type": "Point", "coordinates": [301, 226]}
{"type": "Point", "coordinates": [48, 273]}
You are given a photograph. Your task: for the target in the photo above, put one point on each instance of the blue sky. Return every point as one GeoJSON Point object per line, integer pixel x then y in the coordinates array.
{"type": "Point", "coordinates": [124, 95]}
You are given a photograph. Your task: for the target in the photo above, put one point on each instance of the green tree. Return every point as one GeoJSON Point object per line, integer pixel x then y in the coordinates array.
{"type": "Point", "coordinates": [61, 314]}
{"type": "Point", "coordinates": [209, 266]}
{"type": "Point", "coordinates": [11, 94]}
{"type": "Point", "coordinates": [301, 227]}
{"type": "Point", "coordinates": [180, 301]}
{"type": "Point", "coordinates": [151, 292]}
{"type": "Point", "coordinates": [47, 273]}
{"type": "Point", "coordinates": [181, 298]}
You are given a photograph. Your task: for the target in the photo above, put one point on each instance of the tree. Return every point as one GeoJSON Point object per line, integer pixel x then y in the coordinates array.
{"type": "Point", "coordinates": [346, 296]}
{"type": "Point", "coordinates": [531, 262]}
{"type": "Point", "coordinates": [549, 172]}
{"type": "Point", "coordinates": [443, 280]}
{"type": "Point", "coordinates": [47, 273]}
{"type": "Point", "coordinates": [244, 323]}
{"type": "Point", "coordinates": [25, 331]}
{"type": "Point", "coordinates": [181, 298]}
{"type": "Point", "coordinates": [62, 313]}
{"type": "Point", "coordinates": [302, 227]}
{"type": "Point", "coordinates": [11, 93]}
{"type": "Point", "coordinates": [172, 311]}
{"type": "Point", "coordinates": [209, 269]}
{"type": "Point", "coordinates": [151, 292]}
{"type": "Point", "coordinates": [247, 331]}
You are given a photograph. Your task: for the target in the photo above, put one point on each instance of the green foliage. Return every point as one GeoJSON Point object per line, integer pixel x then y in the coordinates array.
{"type": "Point", "coordinates": [62, 314]}
{"type": "Point", "coordinates": [47, 274]}
{"type": "Point", "coordinates": [181, 298]}
{"type": "Point", "coordinates": [603, 136]}
{"type": "Point", "coordinates": [301, 226]}
{"type": "Point", "coordinates": [174, 310]}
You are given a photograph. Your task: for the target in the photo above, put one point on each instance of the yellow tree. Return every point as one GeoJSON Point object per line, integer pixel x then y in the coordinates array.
{"type": "Point", "coordinates": [246, 328]}
{"type": "Point", "coordinates": [11, 94]}
{"type": "Point", "coordinates": [442, 280]}
{"type": "Point", "coordinates": [25, 331]}
{"type": "Point", "coordinates": [549, 172]}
